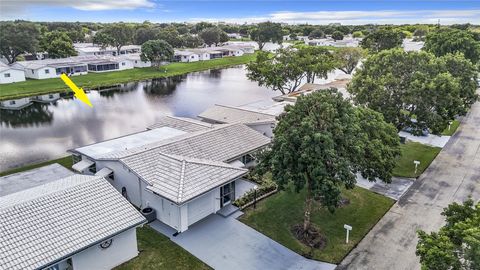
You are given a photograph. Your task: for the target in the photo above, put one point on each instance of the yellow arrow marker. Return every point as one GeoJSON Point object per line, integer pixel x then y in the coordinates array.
{"type": "Point", "coordinates": [79, 93]}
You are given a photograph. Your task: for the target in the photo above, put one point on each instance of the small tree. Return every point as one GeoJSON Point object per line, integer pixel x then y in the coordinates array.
{"type": "Point", "coordinates": [213, 35]}
{"type": "Point", "coordinates": [348, 58]}
{"type": "Point", "coordinates": [17, 38]}
{"type": "Point", "coordinates": [316, 62]}
{"type": "Point", "coordinates": [457, 244]}
{"type": "Point", "coordinates": [337, 35]}
{"type": "Point", "coordinates": [358, 34]}
{"type": "Point", "coordinates": [57, 44]}
{"type": "Point", "coordinates": [117, 35]}
{"type": "Point", "coordinates": [320, 144]}
{"type": "Point", "coordinates": [317, 33]}
{"type": "Point", "coordinates": [267, 32]}
{"type": "Point", "coordinates": [156, 51]}
{"type": "Point", "coordinates": [382, 39]}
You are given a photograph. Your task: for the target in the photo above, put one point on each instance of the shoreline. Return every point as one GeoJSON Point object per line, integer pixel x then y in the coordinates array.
{"type": "Point", "coordinates": [33, 87]}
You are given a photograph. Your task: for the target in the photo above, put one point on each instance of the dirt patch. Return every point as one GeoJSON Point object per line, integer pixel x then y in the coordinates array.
{"type": "Point", "coordinates": [311, 237]}
{"type": "Point", "coordinates": [343, 202]}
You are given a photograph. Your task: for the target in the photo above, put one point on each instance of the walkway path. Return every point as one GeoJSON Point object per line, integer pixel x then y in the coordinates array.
{"type": "Point", "coordinates": [432, 140]}
{"type": "Point", "coordinates": [228, 244]}
{"type": "Point", "coordinates": [453, 176]}
{"type": "Point", "coordinates": [394, 190]}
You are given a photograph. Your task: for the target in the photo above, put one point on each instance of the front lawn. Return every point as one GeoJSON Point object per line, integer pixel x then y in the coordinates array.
{"type": "Point", "coordinates": [453, 128]}
{"type": "Point", "coordinates": [66, 162]}
{"type": "Point", "coordinates": [414, 151]}
{"type": "Point", "coordinates": [275, 216]}
{"type": "Point", "coordinates": [159, 252]}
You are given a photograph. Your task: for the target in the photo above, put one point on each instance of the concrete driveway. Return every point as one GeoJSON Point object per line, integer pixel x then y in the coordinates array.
{"type": "Point", "coordinates": [394, 190]}
{"type": "Point", "coordinates": [453, 176]}
{"type": "Point", "coordinates": [226, 243]}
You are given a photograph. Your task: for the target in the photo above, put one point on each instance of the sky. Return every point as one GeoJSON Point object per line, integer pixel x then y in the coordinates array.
{"type": "Point", "coordinates": [246, 11]}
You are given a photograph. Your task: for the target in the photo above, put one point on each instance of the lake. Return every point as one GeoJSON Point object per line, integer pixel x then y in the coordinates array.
{"type": "Point", "coordinates": [46, 128]}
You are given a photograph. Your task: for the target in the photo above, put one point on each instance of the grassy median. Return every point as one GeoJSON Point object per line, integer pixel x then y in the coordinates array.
{"type": "Point", "coordinates": [93, 80]}
{"type": "Point", "coordinates": [414, 151]}
{"type": "Point", "coordinates": [276, 215]}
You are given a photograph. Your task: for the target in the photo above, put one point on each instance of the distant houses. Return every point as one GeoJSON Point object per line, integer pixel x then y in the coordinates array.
{"type": "Point", "coordinates": [92, 58]}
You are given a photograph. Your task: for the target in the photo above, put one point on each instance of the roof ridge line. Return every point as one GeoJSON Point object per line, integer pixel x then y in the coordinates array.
{"type": "Point", "coordinates": [200, 161]}
{"type": "Point", "coordinates": [182, 179]}
{"type": "Point", "coordinates": [243, 109]}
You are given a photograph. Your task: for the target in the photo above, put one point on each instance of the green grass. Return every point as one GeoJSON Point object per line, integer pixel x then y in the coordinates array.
{"type": "Point", "coordinates": [453, 128]}
{"type": "Point", "coordinates": [275, 216]}
{"type": "Point", "coordinates": [92, 80]}
{"type": "Point", "coordinates": [414, 151]}
{"type": "Point", "coordinates": [159, 252]}
{"type": "Point", "coordinates": [66, 162]}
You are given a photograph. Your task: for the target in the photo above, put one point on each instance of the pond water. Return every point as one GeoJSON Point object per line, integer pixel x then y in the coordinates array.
{"type": "Point", "coordinates": [41, 130]}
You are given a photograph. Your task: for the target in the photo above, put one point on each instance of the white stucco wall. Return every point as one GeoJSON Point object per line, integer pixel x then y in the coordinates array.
{"type": "Point", "coordinates": [204, 56]}
{"type": "Point", "coordinates": [167, 212]}
{"type": "Point", "coordinates": [122, 249]}
{"type": "Point", "coordinates": [15, 76]}
{"type": "Point", "coordinates": [141, 64]}
{"type": "Point", "coordinates": [41, 73]}
{"type": "Point", "coordinates": [124, 178]}
{"type": "Point", "coordinates": [125, 64]}
{"type": "Point", "coordinates": [242, 186]}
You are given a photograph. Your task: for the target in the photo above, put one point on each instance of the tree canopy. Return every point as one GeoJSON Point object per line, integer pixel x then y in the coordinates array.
{"type": "Point", "coordinates": [213, 36]}
{"type": "Point", "coordinates": [267, 32]}
{"type": "Point", "coordinates": [156, 51]}
{"type": "Point", "coordinates": [415, 90]}
{"type": "Point", "coordinates": [116, 35]}
{"type": "Point", "coordinates": [382, 39]}
{"type": "Point", "coordinates": [57, 44]}
{"type": "Point", "coordinates": [322, 142]}
{"type": "Point", "coordinates": [18, 38]}
{"type": "Point", "coordinates": [348, 58]}
{"type": "Point", "coordinates": [456, 245]}
{"type": "Point", "coordinates": [285, 70]}
{"type": "Point", "coordinates": [317, 33]}
{"type": "Point", "coordinates": [447, 40]}
{"type": "Point", "coordinates": [337, 35]}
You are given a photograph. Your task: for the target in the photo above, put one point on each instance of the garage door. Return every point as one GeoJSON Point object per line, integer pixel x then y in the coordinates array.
{"type": "Point", "coordinates": [200, 208]}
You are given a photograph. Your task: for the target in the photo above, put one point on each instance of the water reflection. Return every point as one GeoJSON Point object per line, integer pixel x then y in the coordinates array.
{"type": "Point", "coordinates": [45, 128]}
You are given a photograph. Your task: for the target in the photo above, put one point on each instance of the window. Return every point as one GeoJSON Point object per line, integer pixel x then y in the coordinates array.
{"type": "Point", "coordinates": [123, 63]}
{"type": "Point", "coordinates": [227, 193]}
{"type": "Point", "coordinates": [47, 71]}
{"type": "Point", "coordinates": [50, 96]}
{"type": "Point", "coordinates": [7, 75]}
{"type": "Point", "coordinates": [12, 102]}
{"type": "Point", "coordinates": [247, 159]}
{"type": "Point", "coordinates": [33, 72]}
{"type": "Point", "coordinates": [135, 61]}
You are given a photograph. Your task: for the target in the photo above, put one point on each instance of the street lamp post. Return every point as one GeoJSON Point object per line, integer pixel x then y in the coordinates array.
{"type": "Point", "coordinates": [255, 196]}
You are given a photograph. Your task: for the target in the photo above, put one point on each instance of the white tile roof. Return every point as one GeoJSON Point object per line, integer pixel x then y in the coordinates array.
{"type": "Point", "coordinates": [181, 123]}
{"type": "Point", "coordinates": [178, 178]}
{"type": "Point", "coordinates": [227, 114]}
{"type": "Point", "coordinates": [221, 143]}
{"type": "Point", "coordinates": [46, 223]}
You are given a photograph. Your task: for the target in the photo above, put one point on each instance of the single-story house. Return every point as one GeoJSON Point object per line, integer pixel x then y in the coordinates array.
{"type": "Point", "coordinates": [90, 49]}
{"type": "Point", "coordinates": [51, 68]}
{"type": "Point", "coordinates": [136, 60]}
{"type": "Point", "coordinates": [9, 74]}
{"type": "Point", "coordinates": [186, 56]}
{"type": "Point", "coordinates": [105, 64]}
{"type": "Point", "coordinates": [221, 114]}
{"type": "Point", "coordinates": [78, 222]}
{"type": "Point", "coordinates": [184, 173]}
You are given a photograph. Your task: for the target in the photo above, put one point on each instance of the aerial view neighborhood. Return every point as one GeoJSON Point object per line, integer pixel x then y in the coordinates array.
{"type": "Point", "coordinates": [239, 135]}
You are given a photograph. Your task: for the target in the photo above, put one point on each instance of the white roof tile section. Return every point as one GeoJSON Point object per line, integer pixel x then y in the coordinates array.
{"type": "Point", "coordinates": [221, 143]}
{"type": "Point", "coordinates": [226, 114]}
{"type": "Point", "coordinates": [181, 123]}
{"type": "Point", "coordinates": [46, 223]}
{"type": "Point", "coordinates": [180, 179]}
{"type": "Point", "coordinates": [120, 144]}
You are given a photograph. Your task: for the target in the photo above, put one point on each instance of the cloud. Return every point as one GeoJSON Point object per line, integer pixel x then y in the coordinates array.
{"type": "Point", "coordinates": [362, 17]}
{"type": "Point", "coordinates": [17, 6]}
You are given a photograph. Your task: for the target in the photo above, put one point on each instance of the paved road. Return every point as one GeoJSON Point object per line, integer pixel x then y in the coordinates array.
{"type": "Point", "coordinates": [453, 176]}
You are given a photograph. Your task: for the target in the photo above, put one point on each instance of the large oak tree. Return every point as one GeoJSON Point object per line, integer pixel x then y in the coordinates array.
{"type": "Point", "coordinates": [322, 142]}
{"type": "Point", "coordinates": [267, 32]}
{"type": "Point", "coordinates": [447, 40]}
{"type": "Point", "coordinates": [17, 38]}
{"type": "Point", "coordinates": [415, 90]}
